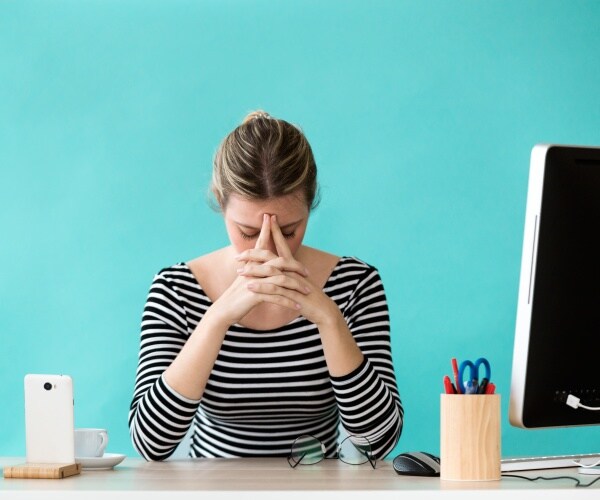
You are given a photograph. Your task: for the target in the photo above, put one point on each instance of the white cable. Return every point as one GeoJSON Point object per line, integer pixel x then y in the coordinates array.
{"type": "Point", "coordinates": [593, 408]}
{"type": "Point", "coordinates": [574, 402]}
{"type": "Point", "coordinates": [577, 462]}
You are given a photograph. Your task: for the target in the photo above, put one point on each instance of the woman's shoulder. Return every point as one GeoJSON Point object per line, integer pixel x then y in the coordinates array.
{"type": "Point", "coordinates": [176, 280]}
{"type": "Point", "coordinates": [311, 257]}
{"type": "Point", "coordinates": [350, 268]}
{"type": "Point", "coordinates": [311, 254]}
{"type": "Point", "coordinates": [188, 271]}
{"type": "Point", "coordinates": [212, 273]}
{"type": "Point", "coordinates": [356, 262]}
{"type": "Point", "coordinates": [336, 268]}
{"type": "Point", "coordinates": [174, 272]}
{"type": "Point", "coordinates": [207, 263]}
{"type": "Point", "coordinates": [353, 263]}
{"type": "Point", "coordinates": [176, 285]}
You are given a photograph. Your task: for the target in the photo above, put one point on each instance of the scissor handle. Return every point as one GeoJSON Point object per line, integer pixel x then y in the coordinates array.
{"type": "Point", "coordinates": [486, 364]}
{"type": "Point", "coordinates": [473, 371]}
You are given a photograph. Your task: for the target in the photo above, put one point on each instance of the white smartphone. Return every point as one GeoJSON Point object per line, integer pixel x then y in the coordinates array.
{"type": "Point", "coordinates": [49, 426]}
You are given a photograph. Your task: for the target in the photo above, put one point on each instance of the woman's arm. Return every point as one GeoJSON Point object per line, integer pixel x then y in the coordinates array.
{"type": "Point", "coordinates": [173, 368]}
{"type": "Point", "coordinates": [160, 416]}
{"type": "Point", "coordinates": [367, 397]}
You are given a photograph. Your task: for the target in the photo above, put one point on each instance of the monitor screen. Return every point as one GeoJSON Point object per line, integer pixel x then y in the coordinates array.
{"type": "Point", "coordinates": [557, 338]}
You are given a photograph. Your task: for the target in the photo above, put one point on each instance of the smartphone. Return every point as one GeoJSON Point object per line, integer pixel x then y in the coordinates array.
{"type": "Point", "coordinates": [49, 426]}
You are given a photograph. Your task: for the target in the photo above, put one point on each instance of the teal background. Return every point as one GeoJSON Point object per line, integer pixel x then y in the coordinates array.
{"type": "Point", "coordinates": [422, 116]}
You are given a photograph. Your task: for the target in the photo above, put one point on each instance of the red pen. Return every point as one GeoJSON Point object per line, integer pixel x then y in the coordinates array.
{"type": "Point", "coordinates": [491, 388]}
{"type": "Point", "coordinates": [457, 382]}
{"type": "Point", "coordinates": [448, 385]}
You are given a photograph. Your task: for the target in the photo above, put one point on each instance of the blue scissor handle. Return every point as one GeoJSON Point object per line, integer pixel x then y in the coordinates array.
{"type": "Point", "coordinates": [474, 372]}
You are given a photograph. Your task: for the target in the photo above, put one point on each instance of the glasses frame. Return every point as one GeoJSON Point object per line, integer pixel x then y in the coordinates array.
{"type": "Point", "coordinates": [368, 454]}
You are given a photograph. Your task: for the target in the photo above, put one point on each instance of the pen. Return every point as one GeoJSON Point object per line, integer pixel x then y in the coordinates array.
{"type": "Point", "coordinates": [471, 387]}
{"type": "Point", "coordinates": [483, 386]}
{"type": "Point", "coordinates": [448, 387]}
{"type": "Point", "coordinates": [457, 382]}
{"type": "Point", "coordinates": [491, 388]}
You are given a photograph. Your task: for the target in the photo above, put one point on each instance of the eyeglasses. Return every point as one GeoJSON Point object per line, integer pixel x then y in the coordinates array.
{"type": "Point", "coordinates": [309, 450]}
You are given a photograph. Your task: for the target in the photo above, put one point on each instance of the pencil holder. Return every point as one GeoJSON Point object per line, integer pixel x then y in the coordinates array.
{"type": "Point", "coordinates": [470, 437]}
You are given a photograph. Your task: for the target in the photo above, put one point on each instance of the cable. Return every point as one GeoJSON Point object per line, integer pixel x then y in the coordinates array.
{"type": "Point", "coordinates": [574, 402]}
{"type": "Point", "coordinates": [578, 483]}
{"type": "Point", "coordinates": [588, 466]}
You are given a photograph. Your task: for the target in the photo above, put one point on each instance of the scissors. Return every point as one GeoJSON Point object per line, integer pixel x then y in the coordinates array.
{"type": "Point", "coordinates": [472, 385]}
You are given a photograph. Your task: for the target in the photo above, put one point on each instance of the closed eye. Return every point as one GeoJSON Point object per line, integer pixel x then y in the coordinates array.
{"type": "Point", "coordinates": [255, 235]}
{"type": "Point", "coordinates": [248, 236]}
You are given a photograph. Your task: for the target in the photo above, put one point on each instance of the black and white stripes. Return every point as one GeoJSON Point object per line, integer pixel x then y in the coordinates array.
{"type": "Point", "coordinates": [266, 387]}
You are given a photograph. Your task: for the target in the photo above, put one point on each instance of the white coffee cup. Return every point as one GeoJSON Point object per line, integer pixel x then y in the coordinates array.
{"type": "Point", "coordinates": [90, 442]}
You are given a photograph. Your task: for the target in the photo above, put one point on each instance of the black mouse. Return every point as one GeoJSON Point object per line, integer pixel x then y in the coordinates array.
{"type": "Point", "coordinates": [417, 463]}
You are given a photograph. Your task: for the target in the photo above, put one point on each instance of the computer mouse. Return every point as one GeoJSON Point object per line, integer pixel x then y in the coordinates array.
{"type": "Point", "coordinates": [417, 463]}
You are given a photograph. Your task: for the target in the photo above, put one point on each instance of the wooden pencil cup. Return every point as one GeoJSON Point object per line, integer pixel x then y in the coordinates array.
{"type": "Point", "coordinates": [470, 437]}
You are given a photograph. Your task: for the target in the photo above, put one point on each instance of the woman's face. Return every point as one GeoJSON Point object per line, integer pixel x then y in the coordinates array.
{"type": "Point", "coordinates": [244, 217]}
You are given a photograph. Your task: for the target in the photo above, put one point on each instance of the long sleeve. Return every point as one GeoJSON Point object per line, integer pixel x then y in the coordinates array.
{"type": "Point", "coordinates": [159, 417]}
{"type": "Point", "coordinates": [368, 398]}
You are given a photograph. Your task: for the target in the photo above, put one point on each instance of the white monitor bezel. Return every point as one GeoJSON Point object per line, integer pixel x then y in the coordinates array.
{"type": "Point", "coordinates": [537, 170]}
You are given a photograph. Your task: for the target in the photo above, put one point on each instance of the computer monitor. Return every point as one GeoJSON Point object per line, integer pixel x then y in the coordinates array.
{"type": "Point", "coordinates": [557, 335]}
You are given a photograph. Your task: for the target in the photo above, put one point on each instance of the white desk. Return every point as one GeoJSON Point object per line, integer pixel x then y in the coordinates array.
{"type": "Point", "coordinates": [273, 479]}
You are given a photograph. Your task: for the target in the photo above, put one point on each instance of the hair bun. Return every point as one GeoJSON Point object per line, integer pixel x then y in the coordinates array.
{"type": "Point", "coordinates": [255, 115]}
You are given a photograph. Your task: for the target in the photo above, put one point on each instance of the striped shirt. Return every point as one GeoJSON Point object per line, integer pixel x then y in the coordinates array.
{"type": "Point", "coordinates": [266, 387]}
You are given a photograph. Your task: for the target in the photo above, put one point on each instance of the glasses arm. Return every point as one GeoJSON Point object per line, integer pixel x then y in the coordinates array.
{"type": "Point", "coordinates": [370, 458]}
{"type": "Point", "coordinates": [292, 463]}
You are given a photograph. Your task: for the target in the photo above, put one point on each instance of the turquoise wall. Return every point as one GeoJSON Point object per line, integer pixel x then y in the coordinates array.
{"type": "Point", "coordinates": [422, 116]}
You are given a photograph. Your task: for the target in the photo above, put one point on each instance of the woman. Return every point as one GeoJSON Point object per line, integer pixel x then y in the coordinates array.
{"type": "Point", "coordinates": [267, 339]}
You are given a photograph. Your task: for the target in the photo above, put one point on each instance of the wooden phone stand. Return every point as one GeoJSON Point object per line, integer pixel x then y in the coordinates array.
{"type": "Point", "coordinates": [41, 471]}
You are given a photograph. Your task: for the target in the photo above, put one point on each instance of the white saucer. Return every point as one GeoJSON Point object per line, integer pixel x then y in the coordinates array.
{"type": "Point", "coordinates": [107, 461]}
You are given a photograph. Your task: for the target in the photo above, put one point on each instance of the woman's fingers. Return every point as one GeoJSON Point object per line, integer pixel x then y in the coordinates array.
{"type": "Point", "coordinates": [272, 267]}
{"type": "Point", "coordinates": [279, 300]}
{"type": "Point", "coordinates": [258, 270]}
{"type": "Point", "coordinates": [277, 285]}
{"type": "Point", "coordinates": [288, 265]}
{"type": "Point", "coordinates": [260, 256]}
{"type": "Point", "coordinates": [256, 255]}
{"type": "Point", "coordinates": [281, 290]}
{"type": "Point", "coordinates": [283, 250]}
{"type": "Point", "coordinates": [262, 241]}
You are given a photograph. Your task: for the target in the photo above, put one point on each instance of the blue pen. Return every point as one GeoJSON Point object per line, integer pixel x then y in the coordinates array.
{"type": "Point", "coordinates": [470, 387]}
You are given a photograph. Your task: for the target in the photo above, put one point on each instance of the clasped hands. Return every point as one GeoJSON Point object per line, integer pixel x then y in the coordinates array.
{"type": "Point", "coordinates": [266, 277]}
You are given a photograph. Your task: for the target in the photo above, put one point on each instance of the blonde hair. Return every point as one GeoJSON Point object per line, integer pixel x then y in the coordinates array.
{"type": "Point", "coordinates": [264, 158]}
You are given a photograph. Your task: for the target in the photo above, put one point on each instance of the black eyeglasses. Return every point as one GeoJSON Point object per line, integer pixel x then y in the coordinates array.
{"type": "Point", "coordinates": [309, 450]}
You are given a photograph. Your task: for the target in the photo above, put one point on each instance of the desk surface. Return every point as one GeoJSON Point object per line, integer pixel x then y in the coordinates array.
{"type": "Point", "coordinates": [272, 478]}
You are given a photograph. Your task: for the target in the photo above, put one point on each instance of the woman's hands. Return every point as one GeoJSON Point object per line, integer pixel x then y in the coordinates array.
{"type": "Point", "coordinates": [241, 297]}
{"type": "Point", "coordinates": [281, 279]}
